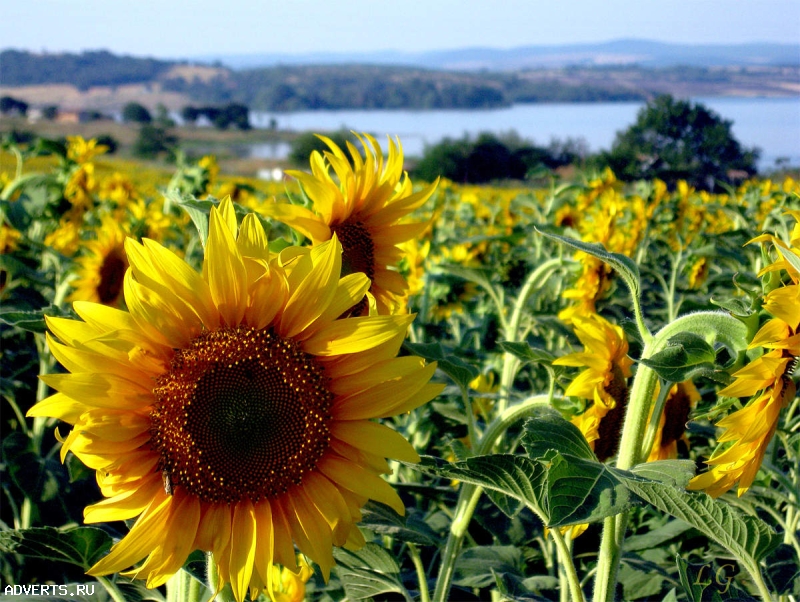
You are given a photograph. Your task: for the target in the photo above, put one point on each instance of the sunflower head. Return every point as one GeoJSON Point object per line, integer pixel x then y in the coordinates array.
{"type": "Point", "coordinates": [364, 201]}
{"type": "Point", "coordinates": [232, 410]}
{"type": "Point", "coordinates": [101, 268]}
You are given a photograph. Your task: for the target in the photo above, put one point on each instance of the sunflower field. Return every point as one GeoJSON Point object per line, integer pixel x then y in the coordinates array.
{"type": "Point", "coordinates": [351, 386]}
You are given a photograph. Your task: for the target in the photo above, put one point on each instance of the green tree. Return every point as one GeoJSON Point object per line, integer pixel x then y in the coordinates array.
{"type": "Point", "coordinates": [136, 113]}
{"type": "Point", "coordinates": [680, 140]}
{"type": "Point", "coordinates": [154, 141]}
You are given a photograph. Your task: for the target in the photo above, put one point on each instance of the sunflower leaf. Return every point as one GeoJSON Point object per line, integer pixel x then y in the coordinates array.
{"type": "Point", "coordinates": [456, 368]}
{"type": "Point", "coordinates": [526, 353]}
{"type": "Point", "coordinates": [622, 264]}
{"type": "Point", "coordinates": [684, 354]}
{"type": "Point", "coordinates": [382, 519]}
{"type": "Point", "coordinates": [368, 572]}
{"type": "Point", "coordinates": [747, 537]}
{"type": "Point", "coordinates": [547, 430]}
{"type": "Point", "coordinates": [82, 546]}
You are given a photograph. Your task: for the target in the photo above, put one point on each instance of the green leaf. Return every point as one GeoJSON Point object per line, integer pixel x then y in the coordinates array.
{"type": "Point", "coordinates": [199, 211]}
{"type": "Point", "coordinates": [32, 320]}
{"type": "Point", "coordinates": [622, 264]}
{"type": "Point", "coordinates": [684, 354]}
{"type": "Point", "coordinates": [82, 546]}
{"type": "Point", "coordinates": [480, 276]}
{"type": "Point", "coordinates": [583, 491]}
{"type": "Point", "coordinates": [382, 519]}
{"type": "Point", "coordinates": [747, 537]}
{"type": "Point", "coordinates": [456, 368]}
{"type": "Point", "coordinates": [526, 353]}
{"type": "Point", "coordinates": [547, 430]}
{"type": "Point", "coordinates": [677, 473]}
{"type": "Point", "coordinates": [657, 537]}
{"type": "Point", "coordinates": [706, 583]}
{"type": "Point", "coordinates": [368, 572]}
{"type": "Point", "coordinates": [478, 566]}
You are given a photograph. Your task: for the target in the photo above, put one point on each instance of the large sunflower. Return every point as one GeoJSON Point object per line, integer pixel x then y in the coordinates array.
{"type": "Point", "coordinates": [364, 209]}
{"type": "Point", "coordinates": [231, 411]}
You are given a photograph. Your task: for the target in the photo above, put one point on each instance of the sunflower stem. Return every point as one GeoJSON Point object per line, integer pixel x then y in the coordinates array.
{"type": "Point", "coordinates": [718, 326]}
{"type": "Point", "coordinates": [469, 495]}
{"type": "Point", "coordinates": [424, 594]}
{"type": "Point", "coordinates": [511, 331]}
{"type": "Point", "coordinates": [182, 587]}
{"type": "Point", "coordinates": [567, 566]}
{"type": "Point", "coordinates": [111, 588]}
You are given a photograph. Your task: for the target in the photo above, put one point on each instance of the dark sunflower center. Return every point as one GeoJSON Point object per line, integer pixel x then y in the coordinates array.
{"type": "Point", "coordinates": [112, 276]}
{"type": "Point", "coordinates": [610, 427]}
{"type": "Point", "coordinates": [241, 414]}
{"type": "Point", "coordinates": [676, 415]}
{"type": "Point", "coordinates": [358, 250]}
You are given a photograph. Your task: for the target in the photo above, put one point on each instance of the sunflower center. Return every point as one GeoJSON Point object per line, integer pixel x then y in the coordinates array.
{"type": "Point", "coordinates": [358, 250]}
{"type": "Point", "coordinates": [112, 276]}
{"type": "Point", "coordinates": [242, 413]}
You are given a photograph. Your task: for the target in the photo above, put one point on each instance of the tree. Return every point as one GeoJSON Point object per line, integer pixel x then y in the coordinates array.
{"type": "Point", "coordinates": [680, 140]}
{"type": "Point", "coordinates": [136, 113]}
{"type": "Point", "coordinates": [153, 141]}
{"type": "Point", "coordinates": [11, 105]}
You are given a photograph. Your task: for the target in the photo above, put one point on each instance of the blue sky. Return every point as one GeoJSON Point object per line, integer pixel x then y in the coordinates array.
{"type": "Point", "coordinates": [217, 27]}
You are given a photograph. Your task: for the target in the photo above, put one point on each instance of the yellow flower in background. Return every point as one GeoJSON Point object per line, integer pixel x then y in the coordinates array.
{"type": "Point", "coordinates": [101, 269]}
{"type": "Point", "coordinates": [117, 189]}
{"type": "Point", "coordinates": [80, 187]}
{"type": "Point", "coordinates": [66, 238]}
{"type": "Point", "coordinates": [82, 151]}
{"type": "Point", "coordinates": [603, 382]}
{"type": "Point", "coordinates": [288, 585]}
{"type": "Point", "coordinates": [364, 206]}
{"type": "Point", "coordinates": [767, 381]}
{"type": "Point", "coordinates": [231, 410]}
{"type": "Point", "coordinates": [682, 398]}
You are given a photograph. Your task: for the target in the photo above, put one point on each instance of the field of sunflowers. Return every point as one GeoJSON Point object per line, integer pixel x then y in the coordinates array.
{"type": "Point", "coordinates": [349, 385]}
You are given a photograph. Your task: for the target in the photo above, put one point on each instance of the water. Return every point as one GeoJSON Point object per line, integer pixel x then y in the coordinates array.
{"type": "Point", "coordinates": [772, 124]}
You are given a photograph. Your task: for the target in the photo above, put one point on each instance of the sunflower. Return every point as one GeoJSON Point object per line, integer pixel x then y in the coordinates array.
{"type": "Point", "coordinates": [230, 410]}
{"type": "Point", "coordinates": [604, 381]}
{"type": "Point", "coordinates": [767, 381]}
{"type": "Point", "coordinates": [364, 209]}
{"type": "Point", "coordinates": [101, 270]}
{"type": "Point", "coordinates": [682, 397]}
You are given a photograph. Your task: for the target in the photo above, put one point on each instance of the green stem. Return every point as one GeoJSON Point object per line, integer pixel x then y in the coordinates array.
{"type": "Point", "coordinates": [182, 587]}
{"type": "Point", "coordinates": [469, 495]}
{"type": "Point", "coordinates": [511, 330]}
{"type": "Point", "coordinates": [718, 326]}
{"type": "Point", "coordinates": [472, 428]}
{"type": "Point", "coordinates": [413, 551]}
{"type": "Point", "coordinates": [111, 588]}
{"type": "Point", "coordinates": [566, 564]}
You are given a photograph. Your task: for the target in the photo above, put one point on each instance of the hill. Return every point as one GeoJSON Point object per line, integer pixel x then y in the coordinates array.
{"type": "Point", "coordinates": [103, 81]}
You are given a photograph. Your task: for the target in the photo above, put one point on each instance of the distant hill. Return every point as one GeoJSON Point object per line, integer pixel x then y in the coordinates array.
{"type": "Point", "coordinates": [643, 53]}
{"type": "Point", "coordinates": [103, 81]}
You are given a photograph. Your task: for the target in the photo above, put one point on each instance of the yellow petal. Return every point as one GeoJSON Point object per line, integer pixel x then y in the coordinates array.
{"type": "Point", "coordinates": [225, 271]}
{"type": "Point", "coordinates": [352, 335]}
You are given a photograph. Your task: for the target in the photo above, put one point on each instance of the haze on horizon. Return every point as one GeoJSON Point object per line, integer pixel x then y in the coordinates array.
{"type": "Point", "coordinates": [239, 27]}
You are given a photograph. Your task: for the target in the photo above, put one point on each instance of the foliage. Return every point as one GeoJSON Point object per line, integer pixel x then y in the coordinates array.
{"type": "Point", "coordinates": [489, 157]}
{"type": "Point", "coordinates": [222, 117]}
{"type": "Point", "coordinates": [134, 112]}
{"type": "Point", "coordinates": [679, 140]}
{"type": "Point", "coordinates": [9, 104]}
{"type": "Point", "coordinates": [154, 140]}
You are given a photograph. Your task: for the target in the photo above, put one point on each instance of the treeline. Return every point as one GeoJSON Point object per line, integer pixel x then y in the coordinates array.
{"type": "Point", "coordinates": [304, 87]}
{"type": "Point", "coordinates": [94, 68]}
{"type": "Point", "coordinates": [332, 87]}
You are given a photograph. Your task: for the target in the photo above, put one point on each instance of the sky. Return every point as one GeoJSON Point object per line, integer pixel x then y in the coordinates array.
{"type": "Point", "coordinates": [169, 29]}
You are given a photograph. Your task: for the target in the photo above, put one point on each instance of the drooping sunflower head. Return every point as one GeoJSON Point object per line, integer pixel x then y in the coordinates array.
{"type": "Point", "coordinates": [232, 410]}
{"type": "Point", "coordinates": [364, 202]}
{"type": "Point", "coordinates": [101, 268]}
{"type": "Point", "coordinates": [603, 381]}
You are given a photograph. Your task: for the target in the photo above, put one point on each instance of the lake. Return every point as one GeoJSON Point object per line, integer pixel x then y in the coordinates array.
{"type": "Point", "coordinates": [772, 124]}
